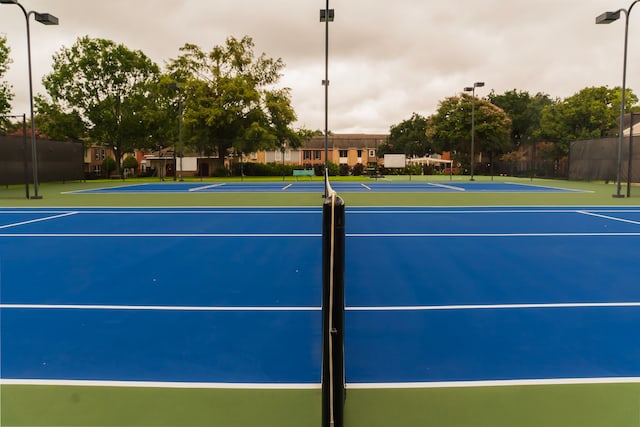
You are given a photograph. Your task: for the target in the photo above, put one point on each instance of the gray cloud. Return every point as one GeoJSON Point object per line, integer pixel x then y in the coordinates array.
{"type": "Point", "coordinates": [387, 59]}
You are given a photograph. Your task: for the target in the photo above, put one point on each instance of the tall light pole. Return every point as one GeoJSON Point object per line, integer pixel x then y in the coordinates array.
{"type": "Point", "coordinates": [608, 18]}
{"type": "Point", "coordinates": [46, 19]}
{"type": "Point", "coordinates": [472, 89]}
{"type": "Point", "coordinates": [176, 86]}
{"type": "Point", "coordinates": [326, 16]}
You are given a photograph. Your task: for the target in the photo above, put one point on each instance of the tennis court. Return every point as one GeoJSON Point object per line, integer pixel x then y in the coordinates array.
{"type": "Point", "coordinates": [318, 187]}
{"type": "Point", "coordinates": [229, 298]}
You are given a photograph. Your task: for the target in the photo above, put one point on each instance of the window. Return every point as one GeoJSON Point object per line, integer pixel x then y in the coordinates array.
{"type": "Point", "coordinates": [317, 154]}
{"type": "Point", "coordinates": [372, 153]}
{"type": "Point", "coordinates": [287, 156]}
{"type": "Point", "coordinates": [359, 153]}
{"type": "Point", "coordinates": [344, 153]}
{"type": "Point", "coordinates": [96, 154]}
{"type": "Point", "coordinates": [104, 154]}
{"type": "Point", "coordinates": [306, 154]}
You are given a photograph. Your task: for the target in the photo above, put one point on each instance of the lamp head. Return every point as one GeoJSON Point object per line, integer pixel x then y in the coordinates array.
{"type": "Point", "coordinates": [9, 1]}
{"type": "Point", "coordinates": [478, 84]}
{"type": "Point", "coordinates": [468, 89]}
{"type": "Point", "coordinates": [608, 17]}
{"type": "Point", "coordinates": [45, 18]}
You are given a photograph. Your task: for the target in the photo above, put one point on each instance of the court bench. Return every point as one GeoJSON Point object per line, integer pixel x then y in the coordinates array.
{"type": "Point", "coordinates": [303, 172]}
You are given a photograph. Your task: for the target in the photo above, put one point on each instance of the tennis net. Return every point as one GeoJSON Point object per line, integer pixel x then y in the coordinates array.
{"type": "Point", "coordinates": [333, 371]}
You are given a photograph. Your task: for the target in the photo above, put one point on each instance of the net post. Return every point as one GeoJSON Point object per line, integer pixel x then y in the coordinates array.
{"type": "Point", "coordinates": [333, 370]}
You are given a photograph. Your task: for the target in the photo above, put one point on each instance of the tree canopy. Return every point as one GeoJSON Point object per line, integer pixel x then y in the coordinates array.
{"type": "Point", "coordinates": [450, 127]}
{"type": "Point", "coordinates": [231, 99]}
{"type": "Point", "coordinates": [104, 86]}
{"type": "Point", "coordinates": [408, 137]}
{"type": "Point", "coordinates": [5, 90]}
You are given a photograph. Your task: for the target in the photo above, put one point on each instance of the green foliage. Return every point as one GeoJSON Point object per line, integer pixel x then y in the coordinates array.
{"type": "Point", "coordinates": [450, 127]}
{"type": "Point", "coordinates": [525, 112]}
{"type": "Point", "coordinates": [231, 100]}
{"type": "Point", "coordinates": [108, 165]}
{"type": "Point", "coordinates": [5, 90]}
{"type": "Point", "coordinates": [408, 137]}
{"type": "Point", "coordinates": [130, 162]}
{"type": "Point", "coordinates": [593, 112]}
{"type": "Point", "coordinates": [106, 85]}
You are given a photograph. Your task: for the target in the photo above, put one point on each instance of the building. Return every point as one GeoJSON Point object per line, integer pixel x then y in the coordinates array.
{"type": "Point", "coordinates": [342, 149]}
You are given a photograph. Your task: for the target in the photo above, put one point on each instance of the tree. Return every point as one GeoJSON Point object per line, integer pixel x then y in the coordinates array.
{"type": "Point", "coordinates": [408, 137]}
{"type": "Point", "coordinates": [231, 99]}
{"type": "Point", "coordinates": [525, 112]}
{"type": "Point", "coordinates": [593, 112]}
{"type": "Point", "coordinates": [5, 90]}
{"type": "Point", "coordinates": [450, 127]}
{"type": "Point", "coordinates": [107, 86]}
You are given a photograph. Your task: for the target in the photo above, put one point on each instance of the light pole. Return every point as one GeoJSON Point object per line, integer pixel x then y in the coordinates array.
{"type": "Point", "coordinates": [473, 120]}
{"type": "Point", "coordinates": [46, 19]}
{"type": "Point", "coordinates": [608, 18]}
{"type": "Point", "coordinates": [178, 87]}
{"type": "Point", "coordinates": [326, 16]}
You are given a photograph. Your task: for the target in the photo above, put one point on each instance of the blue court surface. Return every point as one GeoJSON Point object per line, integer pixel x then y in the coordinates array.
{"type": "Point", "coordinates": [224, 296]}
{"type": "Point", "coordinates": [318, 187]}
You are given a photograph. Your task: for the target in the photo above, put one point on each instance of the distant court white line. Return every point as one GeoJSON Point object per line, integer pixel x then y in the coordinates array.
{"type": "Point", "coordinates": [165, 384]}
{"type": "Point", "coordinates": [150, 307]}
{"type": "Point", "coordinates": [316, 386]}
{"type": "Point", "coordinates": [378, 235]}
{"type": "Point", "coordinates": [495, 383]}
{"type": "Point", "coordinates": [612, 218]}
{"type": "Point", "coordinates": [448, 187]}
{"type": "Point", "coordinates": [497, 306]}
{"type": "Point", "coordinates": [206, 187]}
{"type": "Point", "coordinates": [366, 186]}
{"type": "Point", "coordinates": [133, 235]}
{"type": "Point", "coordinates": [458, 307]}
{"type": "Point", "coordinates": [286, 187]}
{"type": "Point", "coordinates": [308, 235]}
{"type": "Point", "coordinates": [48, 218]}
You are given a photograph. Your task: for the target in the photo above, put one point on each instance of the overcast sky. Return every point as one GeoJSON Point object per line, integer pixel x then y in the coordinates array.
{"type": "Point", "coordinates": [386, 59]}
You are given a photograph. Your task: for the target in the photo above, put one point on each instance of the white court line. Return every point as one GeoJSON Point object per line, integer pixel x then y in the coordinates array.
{"type": "Point", "coordinates": [448, 187]}
{"type": "Point", "coordinates": [286, 187]}
{"type": "Point", "coordinates": [132, 235]}
{"type": "Point", "coordinates": [316, 386]}
{"type": "Point", "coordinates": [457, 307]}
{"type": "Point", "coordinates": [495, 383]}
{"type": "Point", "coordinates": [48, 218]}
{"type": "Point", "coordinates": [159, 384]}
{"type": "Point", "coordinates": [612, 218]}
{"type": "Point", "coordinates": [366, 186]}
{"type": "Point", "coordinates": [206, 187]}
{"type": "Point", "coordinates": [150, 307]}
{"type": "Point", "coordinates": [604, 234]}
{"type": "Point", "coordinates": [497, 306]}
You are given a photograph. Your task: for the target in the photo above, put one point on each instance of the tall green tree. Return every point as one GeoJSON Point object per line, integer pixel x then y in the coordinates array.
{"type": "Point", "coordinates": [525, 112]}
{"type": "Point", "coordinates": [5, 90]}
{"type": "Point", "coordinates": [107, 86]}
{"type": "Point", "coordinates": [450, 127]}
{"type": "Point", "coordinates": [408, 137]}
{"type": "Point", "coordinates": [232, 99]}
{"type": "Point", "coordinates": [593, 112]}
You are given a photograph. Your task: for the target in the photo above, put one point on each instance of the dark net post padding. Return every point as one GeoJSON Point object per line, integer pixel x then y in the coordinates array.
{"type": "Point", "coordinates": [333, 371]}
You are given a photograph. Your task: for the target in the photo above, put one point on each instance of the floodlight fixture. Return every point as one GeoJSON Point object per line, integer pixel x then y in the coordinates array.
{"type": "Point", "coordinates": [47, 19]}
{"type": "Point", "coordinates": [608, 17]}
{"type": "Point", "coordinates": [472, 89]}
